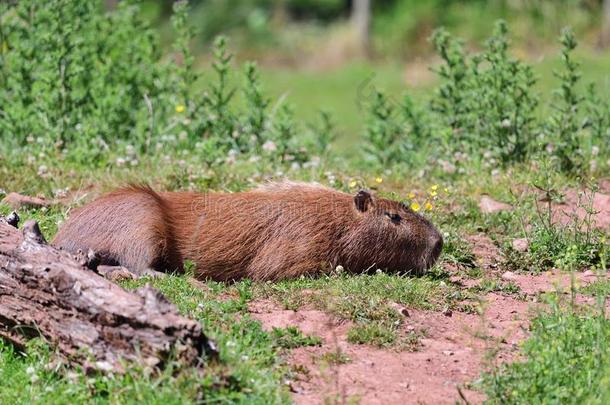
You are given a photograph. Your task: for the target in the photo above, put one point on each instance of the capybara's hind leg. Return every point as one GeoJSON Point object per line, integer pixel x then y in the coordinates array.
{"type": "Point", "coordinates": [129, 227]}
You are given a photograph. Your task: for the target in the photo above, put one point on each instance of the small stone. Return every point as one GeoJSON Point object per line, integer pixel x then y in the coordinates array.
{"type": "Point", "coordinates": [509, 276]}
{"type": "Point", "coordinates": [448, 312]}
{"type": "Point", "coordinates": [488, 205]}
{"type": "Point", "coordinates": [103, 366]}
{"type": "Point", "coordinates": [401, 310]}
{"type": "Point", "coordinates": [589, 273]}
{"type": "Point", "coordinates": [448, 353]}
{"type": "Point", "coordinates": [521, 245]}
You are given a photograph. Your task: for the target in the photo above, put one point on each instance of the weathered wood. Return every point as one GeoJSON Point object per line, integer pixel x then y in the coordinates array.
{"type": "Point", "coordinates": [46, 292]}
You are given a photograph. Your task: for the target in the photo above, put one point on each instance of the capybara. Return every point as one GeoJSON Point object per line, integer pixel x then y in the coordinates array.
{"type": "Point", "coordinates": [277, 231]}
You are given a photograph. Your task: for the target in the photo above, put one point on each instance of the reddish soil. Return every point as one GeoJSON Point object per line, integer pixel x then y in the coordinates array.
{"type": "Point", "coordinates": [574, 204]}
{"type": "Point", "coordinates": [454, 351]}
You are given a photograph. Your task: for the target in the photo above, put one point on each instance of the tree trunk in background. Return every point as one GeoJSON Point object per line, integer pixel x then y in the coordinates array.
{"type": "Point", "coordinates": [361, 21]}
{"type": "Point", "coordinates": [111, 4]}
{"type": "Point", "coordinates": [605, 36]}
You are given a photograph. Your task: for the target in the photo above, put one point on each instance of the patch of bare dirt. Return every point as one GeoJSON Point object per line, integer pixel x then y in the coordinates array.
{"type": "Point", "coordinates": [575, 204]}
{"type": "Point", "coordinates": [452, 353]}
{"type": "Point", "coordinates": [487, 256]}
{"type": "Point", "coordinates": [488, 205]}
{"type": "Point", "coordinates": [485, 250]}
{"type": "Point", "coordinates": [554, 280]}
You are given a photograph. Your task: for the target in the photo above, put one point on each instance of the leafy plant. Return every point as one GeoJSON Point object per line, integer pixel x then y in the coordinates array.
{"type": "Point", "coordinates": [565, 126]}
{"type": "Point", "coordinates": [292, 337]}
{"type": "Point", "coordinates": [565, 361]}
{"type": "Point", "coordinates": [485, 110]}
{"type": "Point", "coordinates": [79, 83]}
{"type": "Point", "coordinates": [487, 99]}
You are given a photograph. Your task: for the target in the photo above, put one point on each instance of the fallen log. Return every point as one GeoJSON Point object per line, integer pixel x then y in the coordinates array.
{"type": "Point", "coordinates": [92, 322]}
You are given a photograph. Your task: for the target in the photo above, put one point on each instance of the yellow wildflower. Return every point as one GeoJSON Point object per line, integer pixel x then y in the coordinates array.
{"type": "Point", "coordinates": [411, 196]}
{"type": "Point", "coordinates": [378, 180]}
{"type": "Point", "coordinates": [415, 207]}
{"type": "Point", "coordinates": [433, 193]}
{"type": "Point", "coordinates": [434, 187]}
{"type": "Point", "coordinates": [428, 206]}
{"type": "Point", "coordinates": [353, 183]}
{"type": "Point", "coordinates": [446, 190]}
{"type": "Point", "coordinates": [180, 108]}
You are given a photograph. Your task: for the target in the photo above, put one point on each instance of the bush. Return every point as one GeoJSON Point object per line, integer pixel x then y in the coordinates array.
{"type": "Point", "coordinates": [486, 109]}
{"type": "Point", "coordinates": [77, 82]}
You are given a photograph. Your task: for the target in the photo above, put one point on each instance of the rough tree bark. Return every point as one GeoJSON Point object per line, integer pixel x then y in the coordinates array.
{"type": "Point", "coordinates": [45, 292]}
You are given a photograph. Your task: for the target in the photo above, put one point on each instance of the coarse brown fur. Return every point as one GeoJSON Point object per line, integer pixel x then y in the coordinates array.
{"type": "Point", "coordinates": [280, 230]}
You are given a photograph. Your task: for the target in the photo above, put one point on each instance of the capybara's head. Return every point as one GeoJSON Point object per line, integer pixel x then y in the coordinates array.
{"type": "Point", "coordinates": [391, 236]}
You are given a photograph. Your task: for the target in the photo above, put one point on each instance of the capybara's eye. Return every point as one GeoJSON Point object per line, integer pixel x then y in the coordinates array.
{"type": "Point", "coordinates": [393, 216]}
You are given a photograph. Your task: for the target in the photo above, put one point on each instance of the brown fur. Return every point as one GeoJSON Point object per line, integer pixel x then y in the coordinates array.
{"type": "Point", "coordinates": [280, 230]}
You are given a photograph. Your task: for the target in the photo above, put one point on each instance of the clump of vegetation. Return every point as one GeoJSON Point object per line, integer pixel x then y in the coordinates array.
{"type": "Point", "coordinates": [79, 84]}
{"type": "Point", "coordinates": [573, 244]}
{"type": "Point", "coordinates": [566, 361]}
{"type": "Point", "coordinates": [335, 357]}
{"type": "Point", "coordinates": [486, 112]}
{"type": "Point", "coordinates": [292, 337]}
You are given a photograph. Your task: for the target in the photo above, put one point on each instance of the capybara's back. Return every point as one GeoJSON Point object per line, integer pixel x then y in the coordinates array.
{"type": "Point", "coordinates": [277, 231]}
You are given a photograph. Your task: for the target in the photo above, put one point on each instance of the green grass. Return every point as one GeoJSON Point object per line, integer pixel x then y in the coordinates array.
{"type": "Point", "coordinates": [566, 361]}
{"type": "Point", "coordinates": [335, 357]}
{"type": "Point", "coordinates": [599, 288]}
{"type": "Point", "coordinates": [291, 338]}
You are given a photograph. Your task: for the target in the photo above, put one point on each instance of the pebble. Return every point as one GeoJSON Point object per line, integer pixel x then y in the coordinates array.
{"type": "Point", "coordinates": [488, 205]}
{"type": "Point", "coordinates": [521, 245]}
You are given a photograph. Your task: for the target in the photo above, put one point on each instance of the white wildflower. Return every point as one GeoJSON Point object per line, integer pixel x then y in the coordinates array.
{"type": "Point", "coordinates": [594, 150]}
{"type": "Point", "coordinates": [269, 146]}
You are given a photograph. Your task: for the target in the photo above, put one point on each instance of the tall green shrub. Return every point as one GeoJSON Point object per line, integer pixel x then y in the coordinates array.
{"type": "Point", "coordinates": [78, 81]}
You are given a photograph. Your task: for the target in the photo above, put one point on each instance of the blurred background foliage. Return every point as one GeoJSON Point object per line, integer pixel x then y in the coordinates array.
{"type": "Point", "coordinates": [437, 85]}
{"type": "Point", "coordinates": [310, 51]}
{"type": "Point", "coordinates": [296, 31]}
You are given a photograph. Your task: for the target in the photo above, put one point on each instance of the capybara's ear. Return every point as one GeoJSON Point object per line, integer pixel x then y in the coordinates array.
{"type": "Point", "coordinates": [363, 200]}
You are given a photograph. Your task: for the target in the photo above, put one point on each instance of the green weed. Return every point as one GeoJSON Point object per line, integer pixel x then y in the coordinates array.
{"type": "Point", "coordinates": [291, 338]}
{"type": "Point", "coordinates": [566, 361]}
